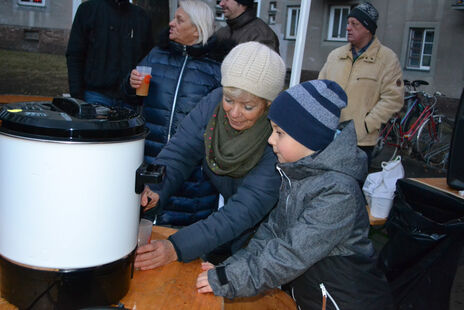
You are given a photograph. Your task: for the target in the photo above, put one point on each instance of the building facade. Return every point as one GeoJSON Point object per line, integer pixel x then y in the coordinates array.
{"type": "Point", "coordinates": [427, 35]}
{"type": "Point", "coordinates": [44, 25]}
{"type": "Point", "coordinates": [36, 25]}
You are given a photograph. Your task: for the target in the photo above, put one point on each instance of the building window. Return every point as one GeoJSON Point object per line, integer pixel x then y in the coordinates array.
{"type": "Point", "coordinates": [338, 20]}
{"type": "Point", "coordinates": [272, 6]}
{"type": "Point", "coordinates": [293, 14]}
{"type": "Point", "coordinates": [420, 48]}
{"type": "Point", "coordinates": [272, 12]}
{"type": "Point", "coordinates": [32, 2]}
{"type": "Point", "coordinates": [257, 6]}
{"type": "Point", "coordinates": [219, 11]}
{"type": "Point", "coordinates": [271, 20]}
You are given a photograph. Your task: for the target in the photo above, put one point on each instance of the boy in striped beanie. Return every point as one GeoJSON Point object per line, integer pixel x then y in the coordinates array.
{"type": "Point", "coordinates": [308, 113]}
{"type": "Point", "coordinates": [315, 240]}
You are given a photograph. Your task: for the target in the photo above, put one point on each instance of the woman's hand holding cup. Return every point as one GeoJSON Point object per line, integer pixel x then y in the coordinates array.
{"type": "Point", "coordinates": [140, 80]}
{"type": "Point", "coordinates": [135, 79]}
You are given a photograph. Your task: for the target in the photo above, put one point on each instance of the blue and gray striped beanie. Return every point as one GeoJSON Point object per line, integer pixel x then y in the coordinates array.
{"type": "Point", "coordinates": [309, 112]}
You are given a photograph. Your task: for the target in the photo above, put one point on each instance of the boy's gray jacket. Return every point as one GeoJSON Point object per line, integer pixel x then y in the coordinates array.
{"type": "Point", "coordinates": [321, 212]}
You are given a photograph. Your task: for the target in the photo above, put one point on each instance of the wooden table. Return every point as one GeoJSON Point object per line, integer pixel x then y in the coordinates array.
{"type": "Point", "coordinates": [439, 184]}
{"type": "Point", "coordinates": [22, 98]}
{"type": "Point", "coordinates": [173, 287]}
{"type": "Point", "coordinates": [169, 287]}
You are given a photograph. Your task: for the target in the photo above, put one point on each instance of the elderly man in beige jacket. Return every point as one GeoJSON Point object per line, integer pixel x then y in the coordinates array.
{"type": "Point", "coordinates": [370, 74]}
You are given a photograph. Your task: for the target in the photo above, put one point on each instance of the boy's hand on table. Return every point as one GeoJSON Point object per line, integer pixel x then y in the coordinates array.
{"type": "Point", "coordinates": [202, 280]}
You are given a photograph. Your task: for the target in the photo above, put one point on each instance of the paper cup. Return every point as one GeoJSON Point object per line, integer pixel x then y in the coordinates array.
{"type": "Point", "coordinates": [144, 235]}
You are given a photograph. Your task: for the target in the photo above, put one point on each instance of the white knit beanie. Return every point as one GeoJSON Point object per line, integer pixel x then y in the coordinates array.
{"type": "Point", "coordinates": [255, 68]}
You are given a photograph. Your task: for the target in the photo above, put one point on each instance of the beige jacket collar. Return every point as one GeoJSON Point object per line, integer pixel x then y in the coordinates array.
{"type": "Point", "coordinates": [368, 56]}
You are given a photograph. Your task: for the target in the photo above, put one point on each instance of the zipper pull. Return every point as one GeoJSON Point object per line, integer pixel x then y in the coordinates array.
{"type": "Point", "coordinates": [132, 33]}
{"type": "Point", "coordinates": [324, 295]}
{"type": "Point", "coordinates": [280, 171]}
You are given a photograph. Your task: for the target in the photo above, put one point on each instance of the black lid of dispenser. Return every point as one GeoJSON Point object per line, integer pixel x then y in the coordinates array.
{"type": "Point", "coordinates": [70, 119]}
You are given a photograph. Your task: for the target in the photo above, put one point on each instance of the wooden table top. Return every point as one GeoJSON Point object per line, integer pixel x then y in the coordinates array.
{"type": "Point", "coordinates": [440, 184]}
{"type": "Point", "coordinates": [169, 287]}
{"type": "Point", "coordinates": [22, 98]}
{"type": "Point", "coordinates": [173, 287]}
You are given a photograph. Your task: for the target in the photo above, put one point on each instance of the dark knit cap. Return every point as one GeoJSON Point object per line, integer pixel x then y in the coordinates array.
{"type": "Point", "coordinates": [309, 112]}
{"type": "Point", "coordinates": [367, 15]}
{"type": "Point", "coordinates": [248, 3]}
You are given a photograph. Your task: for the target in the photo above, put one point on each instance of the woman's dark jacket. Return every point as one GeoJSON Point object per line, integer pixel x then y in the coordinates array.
{"type": "Point", "coordinates": [247, 200]}
{"type": "Point", "coordinates": [181, 76]}
{"type": "Point", "coordinates": [107, 40]}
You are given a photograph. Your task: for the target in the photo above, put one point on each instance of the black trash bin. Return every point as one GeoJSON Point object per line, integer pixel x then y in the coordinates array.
{"type": "Point", "coordinates": [426, 237]}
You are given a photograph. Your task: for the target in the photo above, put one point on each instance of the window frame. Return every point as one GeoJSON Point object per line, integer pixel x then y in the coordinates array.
{"type": "Point", "coordinates": [421, 66]}
{"type": "Point", "coordinates": [272, 12]}
{"type": "Point", "coordinates": [273, 6]}
{"type": "Point", "coordinates": [31, 3]}
{"type": "Point", "coordinates": [258, 7]}
{"type": "Point", "coordinates": [271, 19]}
{"type": "Point", "coordinates": [217, 11]}
{"type": "Point", "coordinates": [331, 21]}
{"type": "Point", "coordinates": [288, 24]}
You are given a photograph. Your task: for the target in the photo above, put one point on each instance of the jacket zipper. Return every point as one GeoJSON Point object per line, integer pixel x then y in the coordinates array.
{"type": "Point", "coordinates": [174, 101]}
{"type": "Point", "coordinates": [282, 175]}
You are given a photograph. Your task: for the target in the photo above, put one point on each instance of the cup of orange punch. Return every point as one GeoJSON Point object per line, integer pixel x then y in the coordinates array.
{"type": "Point", "coordinates": [146, 73]}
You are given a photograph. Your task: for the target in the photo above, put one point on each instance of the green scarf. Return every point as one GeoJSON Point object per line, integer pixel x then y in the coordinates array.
{"type": "Point", "coordinates": [232, 152]}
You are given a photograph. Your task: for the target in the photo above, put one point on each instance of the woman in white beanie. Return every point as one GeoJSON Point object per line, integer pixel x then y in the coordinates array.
{"type": "Point", "coordinates": [227, 132]}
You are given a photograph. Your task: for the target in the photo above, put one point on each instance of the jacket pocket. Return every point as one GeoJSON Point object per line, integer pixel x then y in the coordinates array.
{"type": "Point", "coordinates": [367, 78]}
{"type": "Point", "coordinates": [364, 125]}
{"type": "Point", "coordinates": [367, 87]}
{"type": "Point", "coordinates": [366, 72]}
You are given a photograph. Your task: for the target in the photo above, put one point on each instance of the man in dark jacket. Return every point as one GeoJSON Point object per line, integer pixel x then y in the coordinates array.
{"type": "Point", "coordinates": [108, 38]}
{"type": "Point", "coordinates": [243, 26]}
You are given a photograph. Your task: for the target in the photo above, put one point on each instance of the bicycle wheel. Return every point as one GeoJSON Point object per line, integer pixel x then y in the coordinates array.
{"type": "Point", "coordinates": [387, 146]}
{"type": "Point", "coordinates": [433, 140]}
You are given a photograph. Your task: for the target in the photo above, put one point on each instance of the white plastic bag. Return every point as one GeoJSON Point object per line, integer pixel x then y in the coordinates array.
{"type": "Point", "coordinates": [379, 187]}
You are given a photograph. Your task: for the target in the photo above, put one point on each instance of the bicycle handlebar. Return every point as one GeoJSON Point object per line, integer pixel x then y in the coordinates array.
{"type": "Point", "coordinates": [416, 83]}
{"type": "Point", "coordinates": [414, 93]}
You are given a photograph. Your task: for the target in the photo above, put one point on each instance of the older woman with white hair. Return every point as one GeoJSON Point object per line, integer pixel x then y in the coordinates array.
{"type": "Point", "coordinates": [182, 74]}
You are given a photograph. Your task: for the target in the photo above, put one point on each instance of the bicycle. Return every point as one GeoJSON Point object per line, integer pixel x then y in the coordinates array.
{"type": "Point", "coordinates": [418, 130]}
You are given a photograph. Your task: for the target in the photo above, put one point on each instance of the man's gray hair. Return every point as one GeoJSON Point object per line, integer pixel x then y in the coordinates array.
{"type": "Point", "coordinates": [201, 16]}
